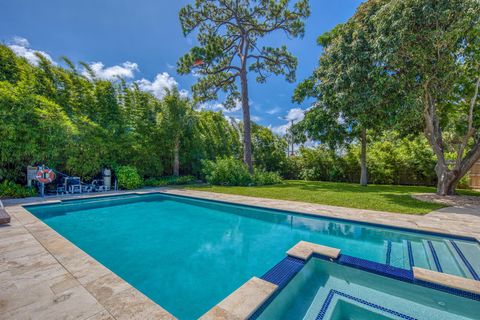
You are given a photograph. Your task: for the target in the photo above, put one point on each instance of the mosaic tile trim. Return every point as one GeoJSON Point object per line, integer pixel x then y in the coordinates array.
{"type": "Point", "coordinates": [457, 292]}
{"type": "Point", "coordinates": [465, 260]}
{"type": "Point", "coordinates": [280, 274]}
{"type": "Point", "coordinates": [411, 261]}
{"type": "Point", "coordinates": [377, 268]}
{"type": "Point", "coordinates": [284, 271]}
{"type": "Point", "coordinates": [435, 257]}
{"type": "Point", "coordinates": [332, 293]}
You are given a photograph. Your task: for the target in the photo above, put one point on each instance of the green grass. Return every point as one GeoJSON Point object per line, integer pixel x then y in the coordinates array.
{"type": "Point", "coordinates": [374, 197]}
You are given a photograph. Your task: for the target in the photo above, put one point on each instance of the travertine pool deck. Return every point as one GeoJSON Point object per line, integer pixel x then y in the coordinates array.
{"type": "Point", "coordinates": [44, 276]}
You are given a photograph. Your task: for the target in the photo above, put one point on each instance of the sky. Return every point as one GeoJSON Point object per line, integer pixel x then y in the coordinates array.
{"type": "Point", "coordinates": [141, 40]}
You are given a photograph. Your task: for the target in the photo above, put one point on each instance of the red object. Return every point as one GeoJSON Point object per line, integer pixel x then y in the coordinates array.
{"type": "Point", "coordinates": [45, 176]}
{"type": "Point", "coordinates": [198, 62]}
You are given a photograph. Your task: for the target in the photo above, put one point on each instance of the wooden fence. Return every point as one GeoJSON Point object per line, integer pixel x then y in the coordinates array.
{"type": "Point", "coordinates": [475, 176]}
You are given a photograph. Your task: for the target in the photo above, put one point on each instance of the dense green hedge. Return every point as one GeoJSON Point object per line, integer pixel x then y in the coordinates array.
{"type": "Point", "coordinates": [390, 160]}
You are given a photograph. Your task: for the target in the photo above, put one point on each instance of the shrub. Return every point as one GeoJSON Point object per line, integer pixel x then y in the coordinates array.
{"type": "Point", "coordinates": [169, 180]}
{"type": "Point", "coordinates": [261, 178]}
{"type": "Point", "coordinates": [227, 172]}
{"type": "Point", "coordinates": [128, 178]}
{"type": "Point", "coordinates": [10, 189]}
{"type": "Point", "coordinates": [232, 172]}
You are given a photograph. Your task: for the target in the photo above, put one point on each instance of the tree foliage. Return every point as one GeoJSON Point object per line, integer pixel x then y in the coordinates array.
{"type": "Point", "coordinates": [431, 48]}
{"type": "Point", "coordinates": [229, 34]}
{"type": "Point", "coordinates": [79, 124]}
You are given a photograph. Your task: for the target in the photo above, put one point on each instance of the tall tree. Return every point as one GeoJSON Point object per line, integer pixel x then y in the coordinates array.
{"type": "Point", "coordinates": [352, 92]}
{"type": "Point", "coordinates": [228, 34]}
{"type": "Point", "coordinates": [432, 48]}
{"type": "Point", "coordinates": [176, 120]}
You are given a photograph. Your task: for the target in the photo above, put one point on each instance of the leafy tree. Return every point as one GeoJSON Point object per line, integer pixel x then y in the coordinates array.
{"type": "Point", "coordinates": [176, 120]}
{"type": "Point", "coordinates": [269, 150]}
{"type": "Point", "coordinates": [353, 93]}
{"type": "Point", "coordinates": [432, 49]}
{"type": "Point", "coordinates": [228, 33]}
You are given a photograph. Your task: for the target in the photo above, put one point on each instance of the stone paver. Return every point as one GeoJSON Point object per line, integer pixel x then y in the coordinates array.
{"type": "Point", "coordinates": [243, 302]}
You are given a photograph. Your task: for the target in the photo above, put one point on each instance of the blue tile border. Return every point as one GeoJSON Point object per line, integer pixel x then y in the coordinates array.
{"type": "Point", "coordinates": [332, 293]}
{"type": "Point", "coordinates": [377, 268]}
{"type": "Point", "coordinates": [435, 257]}
{"type": "Point", "coordinates": [457, 292]}
{"type": "Point", "coordinates": [465, 261]}
{"type": "Point", "coordinates": [284, 271]}
{"type": "Point", "coordinates": [280, 274]}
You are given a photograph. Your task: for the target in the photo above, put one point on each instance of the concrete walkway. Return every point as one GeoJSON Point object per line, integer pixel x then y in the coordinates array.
{"type": "Point", "coordinates": [44, 276]}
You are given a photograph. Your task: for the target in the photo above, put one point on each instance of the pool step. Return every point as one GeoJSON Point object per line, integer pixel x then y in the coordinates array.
{"type": "Point", "coordinates": [446, 257]}
{"type": "Point", "coordinates": [469, 253]}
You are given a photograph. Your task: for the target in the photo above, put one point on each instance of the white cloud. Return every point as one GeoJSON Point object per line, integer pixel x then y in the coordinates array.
{"type": "Point", "coordinates": [255, 118]}
{"type": "Point", "coordinates": [161, 82]}
{"type": "Point", "coordinates": [21, 47]}
{"type": "Point", "coordinates": [274, 110]}
{"type": "Point", "coordinates": [125, 70]}
{"type": "Point", "coordinates": [295, 114]}
{"type": "Point", "coordinates": [280, 130]}
{"type": "Point", "coordinates": [220, 107]}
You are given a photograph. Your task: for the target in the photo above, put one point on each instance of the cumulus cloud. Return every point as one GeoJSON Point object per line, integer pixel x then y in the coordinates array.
{"type": "Point", "coordinates": [21, 47]}
{"type": "Point", "coordinates": [295, 114]}
{"type": "Point", "coordinates": [161, 82]}
{"type": "Point", "coordinates": [274, 110]}
{"type": "Point", "coordinates": [280, 130]}
{"type": "Point", "coordinates": [220, 107]}
{"type": "Point", "coordinates": [255, 118]}
{"type": "Point", "coordinates": [125, 70]}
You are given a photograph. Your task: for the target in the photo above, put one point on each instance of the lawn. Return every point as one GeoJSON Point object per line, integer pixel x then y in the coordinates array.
{"type": "Point", "coordinates": [374, 197]}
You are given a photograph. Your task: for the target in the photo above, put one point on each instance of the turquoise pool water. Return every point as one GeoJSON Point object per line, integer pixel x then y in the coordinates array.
{"type": "Point", "coordinates": [325, 290]}
{"type": "Point", "coordinates": [188, 254]}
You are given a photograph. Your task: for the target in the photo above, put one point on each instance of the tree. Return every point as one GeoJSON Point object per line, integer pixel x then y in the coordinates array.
{"type": "Point", "coordinates": [432, 49]}
{"type": "Point", "coordinates": [228, 36]}
{"type": "Point", "coordinates": [353, 93]}
{"type": "Point", "coordinates": [176, 120]}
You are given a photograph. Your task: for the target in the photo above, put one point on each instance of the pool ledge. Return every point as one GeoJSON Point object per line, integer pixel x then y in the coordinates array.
{"type": "Point", "coordinates": [243, 302]}
{"type": "Point", "coordinates": [304, 250]}
{"type": "Point", "coordinates": [446, 280]}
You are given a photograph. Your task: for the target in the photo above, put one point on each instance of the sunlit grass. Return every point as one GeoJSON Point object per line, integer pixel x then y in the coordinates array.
{"type": "Point", "coordinates": [374, 197]}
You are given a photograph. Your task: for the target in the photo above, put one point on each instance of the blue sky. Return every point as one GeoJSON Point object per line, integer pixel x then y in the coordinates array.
{"type": "Point", "coordinates": [142, 41]}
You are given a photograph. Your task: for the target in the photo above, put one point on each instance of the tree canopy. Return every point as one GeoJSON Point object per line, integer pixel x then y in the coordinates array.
{"type": "Point", "coordinates": [408, 64]}
{"type": "Point", "coordinates": [79, 124]}
{"type": "Point", "coordinates": [228, 33]}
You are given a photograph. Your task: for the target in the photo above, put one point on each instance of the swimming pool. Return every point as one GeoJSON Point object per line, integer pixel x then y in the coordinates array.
{"type": "Point", "coordinates": [187, 254]}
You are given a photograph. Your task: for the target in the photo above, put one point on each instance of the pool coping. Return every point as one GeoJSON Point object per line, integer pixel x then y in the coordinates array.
{"type": "Point", "coordinates": [94, 276]}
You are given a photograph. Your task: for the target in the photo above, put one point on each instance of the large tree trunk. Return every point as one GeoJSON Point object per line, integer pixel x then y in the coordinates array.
{"type": "Point", "coordinates": [448, 178]}
{"type": "Point", "coordinates": [247, 139]}
{"type": "Point", "coordinates": [176, 158]}
{"type": "Point", "coordinates": [363, 159]}
{"type": "Point", "coordinates": [447, 181]}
